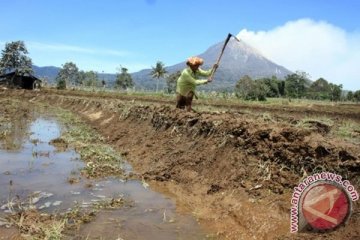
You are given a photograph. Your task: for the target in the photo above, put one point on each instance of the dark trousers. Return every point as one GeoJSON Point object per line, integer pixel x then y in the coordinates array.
{"type": "Point", "coordinates": [183, 102]}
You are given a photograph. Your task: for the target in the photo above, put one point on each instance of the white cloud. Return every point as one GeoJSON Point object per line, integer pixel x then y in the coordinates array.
{"type": "Point", "coordinates": [56, 47]}
{"type": "Point", "coordinates": [96, 59]}
{"type": "Point", "coordinates": [316, 47]}
{"type": "Point", "coordinates": [74, 49]}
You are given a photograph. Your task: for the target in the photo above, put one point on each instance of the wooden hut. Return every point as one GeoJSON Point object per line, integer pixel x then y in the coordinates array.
{"type": "Point", "coordinates": [15, 80]}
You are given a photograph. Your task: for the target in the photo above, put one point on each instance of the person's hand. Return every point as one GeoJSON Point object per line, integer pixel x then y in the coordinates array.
{"type": "Point", "coordinates": [215, 66]}
{"type": "Point", "coordinates": [209, 80]}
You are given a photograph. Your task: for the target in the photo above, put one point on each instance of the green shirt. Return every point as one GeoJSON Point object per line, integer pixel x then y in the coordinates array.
{"type": "Point", "coordinates": [188, 80]}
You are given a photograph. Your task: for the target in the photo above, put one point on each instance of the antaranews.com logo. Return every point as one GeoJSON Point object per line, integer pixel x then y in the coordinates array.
{"type": "Point", "coordinates": [321, 202]}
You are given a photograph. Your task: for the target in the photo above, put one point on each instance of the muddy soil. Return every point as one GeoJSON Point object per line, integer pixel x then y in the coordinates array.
{"type": "Point", "coordinates": [48, 190]}
{"type": "Point", "coordinates": [235, 171]}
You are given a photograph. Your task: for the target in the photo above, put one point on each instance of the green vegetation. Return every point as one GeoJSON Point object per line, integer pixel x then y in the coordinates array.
{"type": "Point", "coordinates": [101, 159]}
{"type": "Point", "coordinates": [245, 88]}
{"type": "Point", "coordinates": [123, 79]}
{"type": "Point", "coordinates": [259, 89]}
{"type": "Point", "coordinates": [349, 130]}
{"type": "Point", "coordinates": [34, 225]}
{"type": "Point", "coordinates": [158, 72]}
{"type": "Point", "coordinates": [319, 90]}
{"type": "Point", "coordinates": [354, 97]}
{"type": "Point", "coordinates": [14, 58]}
{"type": "Point", "coordinates": [61, 83]}
{"type": "Point", "coordinates": [295, 86]}
{"type": "Point", "coordinates": [68, 75]}
{"type": "Point", "coordinates": [55, 226]}
{"type": "Point", "coordinates": [344, 129]}
{"type": "Point", "coordinates": [314, 123]}
{"type": "Point", "coordinates": [89, 79]}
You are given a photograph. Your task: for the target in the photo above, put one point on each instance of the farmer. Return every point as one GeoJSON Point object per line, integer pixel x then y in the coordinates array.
{"type": "Point", "coordinates": [189, 78]}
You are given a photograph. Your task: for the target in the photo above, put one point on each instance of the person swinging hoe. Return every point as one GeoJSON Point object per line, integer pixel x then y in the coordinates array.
{"type": "Point", "coordinates": [189, 79]}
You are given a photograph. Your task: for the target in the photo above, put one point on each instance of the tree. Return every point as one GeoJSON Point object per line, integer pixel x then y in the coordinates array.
{"type": "Point", "coordinates": [295, 84]}
{"type": "Point", "coordinates": [350, 96]}
{"type": "Point", "coordinates": [61, 83]}
{"type": "Point", "coordinates": [319, 90]}
{"type": "Point", "coordinates": [357, 96]}
{"type": "Point", "coordinates": [123, 79]}
{"type": "Point", "coordinates": [245, 88]}
{"type": "Point", "coordinates": [261, 90]}
{"type": "Point", "coordinates": [281, 85]}
{"type": "Point", "coordinates": [335, 92]}
{"type": "Point", "coordinates": [14, 59]}
{"type": "Point", "coordinates": [81, 78]}
{"type": "Point", "coordinates": [171, 81]}
{"type": "Point", "coordinates": [91, 79]}
{"type": "Point", "coordinates": [158, 72]}
{"type": "Point", "coordinates": [248, 89]}
{"type": "Point", "coordinates": [273, 86]}
{"type": "Point", "coordinates": [68, 74]}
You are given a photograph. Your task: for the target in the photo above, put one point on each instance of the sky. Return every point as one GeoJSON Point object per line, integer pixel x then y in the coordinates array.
{"type": "Point", "coordinates": [319, 37]}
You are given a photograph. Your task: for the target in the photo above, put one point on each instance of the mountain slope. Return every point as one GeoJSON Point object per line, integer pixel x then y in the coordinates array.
{"type": "Point", "coordinates": [48, 72]}
{"type": "Point", "coordinates": [239, 59]}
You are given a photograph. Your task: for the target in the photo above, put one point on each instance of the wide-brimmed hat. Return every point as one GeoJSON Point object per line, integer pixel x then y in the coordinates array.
{"type": "Point", "coordinates": [194, 61]}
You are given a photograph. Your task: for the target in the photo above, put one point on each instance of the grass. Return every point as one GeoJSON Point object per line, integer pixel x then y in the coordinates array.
{"type": "Point", "coordinates": [33, 224]}
{"type": "Point", "coordinates": [53, 231]}
{"type": "Point", "coordinates": [307, 122]}
{"type": "Point", "coordinates": [349, 130]}
{"type": "Point", "coordinates": [101, 160]}
{"type": "Point", "coordinates": [39, 226]}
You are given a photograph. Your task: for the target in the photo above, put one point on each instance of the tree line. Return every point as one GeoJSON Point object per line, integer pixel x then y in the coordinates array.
{"type": "Point", "coordinates": [70, 75]}
{"type": "Point", "coordinates": [296, 85]}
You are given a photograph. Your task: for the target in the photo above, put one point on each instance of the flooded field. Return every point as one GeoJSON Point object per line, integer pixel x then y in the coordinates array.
{"type": "Point", "coordinates": [35, 170]}
{"type": "Point", "coordinates": [37, 175]}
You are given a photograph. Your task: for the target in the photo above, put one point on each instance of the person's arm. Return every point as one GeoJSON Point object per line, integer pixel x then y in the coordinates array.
{"type": "Point", "coordinates": [199, 82]}
{"type": "Point", "coordinates": [205, 73]}
{"type": "Point", "coordinates": [195, 81]}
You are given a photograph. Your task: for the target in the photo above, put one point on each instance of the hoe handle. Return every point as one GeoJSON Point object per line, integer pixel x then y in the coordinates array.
{"type": "Point", "coordinates": [221, 53]}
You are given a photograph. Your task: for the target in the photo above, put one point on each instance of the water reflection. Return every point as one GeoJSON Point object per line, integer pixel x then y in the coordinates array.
{"type": "Point", "coordinates": [14, 132]}
{"type": "Point", "coordinates": [38, 174]}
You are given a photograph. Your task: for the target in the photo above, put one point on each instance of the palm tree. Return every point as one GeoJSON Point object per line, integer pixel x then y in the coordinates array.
{"type": "Point", "coordinates": [158, 72]}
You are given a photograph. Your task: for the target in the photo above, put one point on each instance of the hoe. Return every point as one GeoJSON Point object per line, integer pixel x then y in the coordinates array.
{"type": "Point", "coordinates": [222, 52]}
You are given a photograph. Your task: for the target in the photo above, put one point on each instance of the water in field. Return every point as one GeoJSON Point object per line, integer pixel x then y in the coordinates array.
{"type": "Point", "coordinates": [37, 175]}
